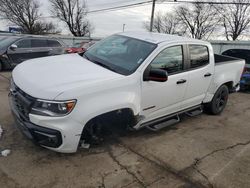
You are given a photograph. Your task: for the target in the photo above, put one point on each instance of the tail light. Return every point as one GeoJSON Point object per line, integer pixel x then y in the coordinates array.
{"type": "Point", "coordinates": [69, 50]}
{"type": "Point", "coordinates": [244, 70]}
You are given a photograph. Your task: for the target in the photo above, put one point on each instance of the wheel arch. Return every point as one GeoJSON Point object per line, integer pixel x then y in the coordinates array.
{"type": "Point", "coordinates": [229, 85]}
{"type": "Point", "coordinates": [114, 113]}
{"type": "Point", "coordinates": [123, 119]}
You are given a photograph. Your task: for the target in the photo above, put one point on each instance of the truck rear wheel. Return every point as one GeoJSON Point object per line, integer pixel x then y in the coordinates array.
{"type": "Point", "coordinates": [219, 101]}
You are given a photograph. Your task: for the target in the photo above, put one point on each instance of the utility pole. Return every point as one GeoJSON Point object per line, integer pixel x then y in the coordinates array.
{"type": "Point", "coordinates": [152, 16]}
{"type": "Point", "coordinates": [123, 27]}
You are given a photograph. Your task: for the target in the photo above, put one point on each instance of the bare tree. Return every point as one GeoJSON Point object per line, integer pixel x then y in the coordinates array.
{"type": "Point", "coordinates": [73, 13]}
{"type": "Point", "coordinates": [235, 18]}
{"type": "Point", "coordinates": [25, 14]}
{"type": "Point", "coordinates": [42, 28]}
{"type": "Point", "coordinates": [166, 23]}
{"type": "Point", "coordinates": [200, 19]}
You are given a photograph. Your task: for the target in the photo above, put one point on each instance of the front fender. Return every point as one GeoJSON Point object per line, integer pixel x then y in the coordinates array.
{"type": "Point", "coordinates": [104, 103]}
{"type": "Point", "coordinates": [106, 97]}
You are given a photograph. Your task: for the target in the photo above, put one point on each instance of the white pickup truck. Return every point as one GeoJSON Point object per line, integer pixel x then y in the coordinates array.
{"type": "Point", "coordinates": [130, 80]}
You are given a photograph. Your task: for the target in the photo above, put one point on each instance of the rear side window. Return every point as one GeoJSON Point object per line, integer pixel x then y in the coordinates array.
{"type": "Point", "coordinates": [24, 43]}
{"type": "Point", "coordinates": [38, 43]}
{"type": "Point", "coordinates": [170, 59]}
{"type": "Point", "coordinates": [199, 56]}
{"type": "Point", "coordinates": [54, 43]}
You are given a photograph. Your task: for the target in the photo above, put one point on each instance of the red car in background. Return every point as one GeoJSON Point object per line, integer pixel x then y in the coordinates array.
{"type": "Point", "coordinates": [79, 48]}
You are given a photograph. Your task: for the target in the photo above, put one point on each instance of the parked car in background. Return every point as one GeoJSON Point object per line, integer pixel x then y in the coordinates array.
{"type": "Point", "coordinates": [77, 48]}
{"type": "Point", "coordinates": [15, 50]}
{"type": "Point", "coordinates": [80, 48]}
{"type": "Point", "coordinates": [242, 54]}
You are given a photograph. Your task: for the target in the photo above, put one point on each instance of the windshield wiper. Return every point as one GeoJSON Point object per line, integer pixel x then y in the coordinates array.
{"type": "Point", "coordinates": [104, 65]}
{"type": "Point", "coordinates": [86, 57]}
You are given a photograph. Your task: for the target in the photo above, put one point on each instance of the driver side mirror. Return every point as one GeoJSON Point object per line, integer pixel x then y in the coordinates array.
{"type": "Point", "coordinates": [157, 75]}
{"type": "Point", "coordinates": [13, 47]}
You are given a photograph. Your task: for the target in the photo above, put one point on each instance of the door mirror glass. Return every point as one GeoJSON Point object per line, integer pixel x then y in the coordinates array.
{"type": "Point", "coordinates": [13, 47]}
{"type": "Point", "coordinates": [157, 75]}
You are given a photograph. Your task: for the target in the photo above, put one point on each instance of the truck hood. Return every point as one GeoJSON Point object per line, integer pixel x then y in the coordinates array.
{"type": "Point", "coordinates": [48, 77]}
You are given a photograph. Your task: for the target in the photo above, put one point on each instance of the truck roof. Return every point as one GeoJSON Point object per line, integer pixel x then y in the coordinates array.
{"type": "Point", "coordinates": [156, 38]}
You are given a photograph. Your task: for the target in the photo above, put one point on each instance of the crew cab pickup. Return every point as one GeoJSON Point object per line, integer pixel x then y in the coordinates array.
{"type": "Point", "coordinates": [139, 79]}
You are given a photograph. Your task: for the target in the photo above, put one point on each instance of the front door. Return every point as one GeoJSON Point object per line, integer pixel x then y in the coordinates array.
{"type": "Point", "coordinates": [163, 98]}
{"type": "Point", "coordinates": [21, 53]}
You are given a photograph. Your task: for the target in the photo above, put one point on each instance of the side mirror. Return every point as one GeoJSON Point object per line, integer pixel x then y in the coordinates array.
{"type": "Point", "coordinates": [13, 47]}
{"type": "Point", "coordinates": [157, 75]}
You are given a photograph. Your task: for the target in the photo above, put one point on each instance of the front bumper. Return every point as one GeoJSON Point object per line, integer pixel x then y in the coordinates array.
{"type": "Point", "coordinates": [40, 135]}
{"type": "Point", "coordinates": [61, 134]}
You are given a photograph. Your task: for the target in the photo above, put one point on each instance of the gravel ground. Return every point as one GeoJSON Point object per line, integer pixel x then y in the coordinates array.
{"type": "Point", "coordinates": [203, 151]}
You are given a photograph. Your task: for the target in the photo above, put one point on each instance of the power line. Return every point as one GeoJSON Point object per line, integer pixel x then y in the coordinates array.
{"type": "Point", "coordinates": [132, 5]}
{"type": "Point", "coordinates": [120, 7]}
{"type": "Point", "coordinates": [108, 4]}
{"type": "Point", "coordinates": [165, 2]}
{"type": "Point", "coordinates": [206, 2]}
{"type": "Point", "coordinates": [157, 2]}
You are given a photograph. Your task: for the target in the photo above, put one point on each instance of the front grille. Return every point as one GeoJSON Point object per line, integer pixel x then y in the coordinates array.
{"type": "Point", "coordinates": [22, 102]}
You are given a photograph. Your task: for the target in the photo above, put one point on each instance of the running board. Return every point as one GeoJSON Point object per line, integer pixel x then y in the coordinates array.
{"type": "Point", "coordinates": [171, 121]}
{"type": "Point", "coordinates": [168, 120]}
{"type": "Point", "coordinates": [194, 112]}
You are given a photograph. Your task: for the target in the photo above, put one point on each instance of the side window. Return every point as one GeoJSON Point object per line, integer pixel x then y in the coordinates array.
{"type": "Point", "coordinates": [25, 43]}
{"type": "Point", "coordinates": [36, 43]}
{"type": "Point", "coordinates": [170, 59]}
{"type": "Point", "coordinates": [54, 43]}
{"type": "Point", "coordinates": [199, 56]}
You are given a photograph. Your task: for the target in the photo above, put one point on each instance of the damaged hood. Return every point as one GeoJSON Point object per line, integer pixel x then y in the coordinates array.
{"type": "Point", "coordinates": [48, 77]}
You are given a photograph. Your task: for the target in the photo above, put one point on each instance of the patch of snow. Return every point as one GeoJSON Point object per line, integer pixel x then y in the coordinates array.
{"type": "Point", "coordinates": [5, 152]}
{"type": "Point", "coordinates": [85, 145]}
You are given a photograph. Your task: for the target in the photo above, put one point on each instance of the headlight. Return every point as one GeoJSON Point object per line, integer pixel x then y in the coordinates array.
{"type": "Point", "coordinates": [53, 108]}
{"type": "Point", "coordinates": [4, 56]}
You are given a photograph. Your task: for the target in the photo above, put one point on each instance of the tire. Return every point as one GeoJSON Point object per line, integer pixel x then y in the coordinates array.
{"type": "Point", "coordinates": [1, 66]}
{"type": "Point", "coordinates": [219, 101]}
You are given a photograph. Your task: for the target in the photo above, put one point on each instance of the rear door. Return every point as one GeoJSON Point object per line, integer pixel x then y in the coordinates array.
{"type": "Point", "coordinates": [200, 69]}
{"type": "Point", "coordinates": [40, 47]}
{"type": "Point", "coordinates": [22, 52]}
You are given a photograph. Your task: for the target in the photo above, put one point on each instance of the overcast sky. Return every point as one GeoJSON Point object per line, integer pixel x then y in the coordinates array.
{"type": "Point", "coordinates": [106, 23]}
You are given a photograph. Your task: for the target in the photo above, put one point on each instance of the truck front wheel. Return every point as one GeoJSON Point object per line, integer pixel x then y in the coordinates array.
{"type": "Point", "coordinates": [219, 101]}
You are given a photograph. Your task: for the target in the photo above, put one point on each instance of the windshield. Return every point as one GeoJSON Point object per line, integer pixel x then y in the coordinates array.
{"type": "Point", "coordinates": [120, 53]}
{"type": "Point", "coordinates": [6, 41]}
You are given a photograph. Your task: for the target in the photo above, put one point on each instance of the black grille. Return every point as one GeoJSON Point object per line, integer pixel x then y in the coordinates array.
{"type": "Point", "coordinates": [22, 102]}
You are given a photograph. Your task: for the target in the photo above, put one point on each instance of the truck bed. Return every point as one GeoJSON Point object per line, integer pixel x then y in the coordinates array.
{"type": "Point", "coordinates": [224, 59]}
{"type": "Point", "coordinates": [228, 69]}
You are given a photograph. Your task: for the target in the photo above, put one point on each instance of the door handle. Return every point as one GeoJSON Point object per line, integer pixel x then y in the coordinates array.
{"type": "Point", "coordinates": [208, 74]}
{"type": "Point", "coordinates": [182, 81]}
